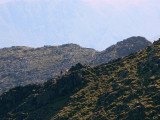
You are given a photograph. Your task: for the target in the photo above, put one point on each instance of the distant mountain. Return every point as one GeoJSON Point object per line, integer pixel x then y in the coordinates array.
{"type": "Point", "coordinates": [121, 49]}
{"type": "Point", "coordinates": [24, 65]}
{"type": "Point", "coordinates": [124, 89]}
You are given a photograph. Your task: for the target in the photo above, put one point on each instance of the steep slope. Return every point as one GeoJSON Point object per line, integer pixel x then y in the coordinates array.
{"type": "Point", "coordinates": [125, 89]}
{"type": "Point", "coordinates": [121, 49]}
{"type": "Point", "coordinates": [43, 100]}
{"type": "Point", "coordinates": [23, 65]}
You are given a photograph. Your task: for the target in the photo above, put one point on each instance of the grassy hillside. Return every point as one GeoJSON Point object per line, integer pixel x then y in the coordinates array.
{"type": "Point", "coordinates": [124, 89]}
{"type": "Point", "coordinates": [20, 66]}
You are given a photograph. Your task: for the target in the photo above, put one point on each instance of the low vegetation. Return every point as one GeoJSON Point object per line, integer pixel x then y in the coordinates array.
{"type": "Point", "coordinates": [124, 89]}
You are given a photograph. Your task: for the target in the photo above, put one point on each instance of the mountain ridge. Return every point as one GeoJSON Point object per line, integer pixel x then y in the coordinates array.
{"type": "Point", "coordinates": [24, 65]}
{"type": "Point", "coordinates": [121, 49]}
{"type": "Point", "coordinates": [126, 89]}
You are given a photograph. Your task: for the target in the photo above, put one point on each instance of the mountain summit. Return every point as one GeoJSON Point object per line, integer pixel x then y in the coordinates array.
{"type": "Point", "coordinates": [121, 49]}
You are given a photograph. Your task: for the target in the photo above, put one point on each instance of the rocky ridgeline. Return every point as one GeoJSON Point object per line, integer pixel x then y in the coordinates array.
{"type": "Point", "coordinates": [21, 66]}
{"type": "Point", "coordinates": [121, 49]}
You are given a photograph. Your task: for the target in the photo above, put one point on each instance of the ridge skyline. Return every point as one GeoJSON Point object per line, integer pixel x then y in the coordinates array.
{"type": "Point", "coordinates": [63, 44]}
{"type": "Point", "coordinates": [83, 22]}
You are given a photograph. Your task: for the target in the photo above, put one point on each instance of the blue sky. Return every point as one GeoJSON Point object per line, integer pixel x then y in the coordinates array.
{"type": "Point", "coordinates": [90, 23]}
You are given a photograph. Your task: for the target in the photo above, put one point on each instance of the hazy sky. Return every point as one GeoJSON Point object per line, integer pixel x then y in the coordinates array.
{"type": "Point", "coordinates": [89, 23]}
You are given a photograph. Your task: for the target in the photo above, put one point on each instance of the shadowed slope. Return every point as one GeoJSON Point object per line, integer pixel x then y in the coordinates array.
{"type": "Point", "coordinates": [126, 89]}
